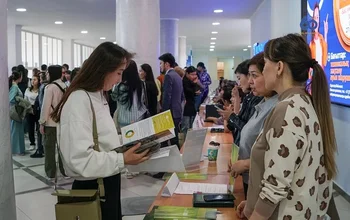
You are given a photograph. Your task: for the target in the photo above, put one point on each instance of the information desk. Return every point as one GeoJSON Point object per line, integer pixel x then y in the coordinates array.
{"type": "Point", "coordinates": [217, 173]}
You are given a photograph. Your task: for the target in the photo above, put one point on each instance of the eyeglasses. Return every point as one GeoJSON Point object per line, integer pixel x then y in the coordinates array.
{"type": "Point", "coordinates": [213, 143]}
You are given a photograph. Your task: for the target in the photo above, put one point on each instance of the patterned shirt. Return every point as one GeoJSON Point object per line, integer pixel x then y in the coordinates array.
{"type": "Point", "coordinates": [205, 80]}
{"type": "Point", "coordinates": [288, 179]}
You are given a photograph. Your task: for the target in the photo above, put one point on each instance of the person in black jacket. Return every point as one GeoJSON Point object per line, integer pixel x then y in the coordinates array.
{"type": "Point", "coordinates": [190, 90]}
{"type": "Point", "coordinates": [146, 75]}
{"type": "Point", "coordinates": [240, 116]}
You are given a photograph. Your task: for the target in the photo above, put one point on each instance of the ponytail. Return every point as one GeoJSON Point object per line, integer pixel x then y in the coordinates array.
{"type": "Point", "coordinates": [15, 76]}
{"type": "Point", "coordinates": [10, 81]}
{"type": "Point", "coordinates": [321, 102]}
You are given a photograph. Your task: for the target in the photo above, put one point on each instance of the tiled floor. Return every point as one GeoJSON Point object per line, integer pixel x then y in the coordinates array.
{"type": "Point", "coordinates": [34, 200]}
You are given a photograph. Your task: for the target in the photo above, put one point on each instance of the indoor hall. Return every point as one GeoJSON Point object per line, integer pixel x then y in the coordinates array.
{"type": "Point", "coordinates": [218, 34]}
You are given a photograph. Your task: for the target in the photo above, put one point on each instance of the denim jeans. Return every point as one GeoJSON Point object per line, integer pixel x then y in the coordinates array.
{"type": "Point", "coordinates": [187, 122]}
{"type": "Point", "coordinates": [197, 102]}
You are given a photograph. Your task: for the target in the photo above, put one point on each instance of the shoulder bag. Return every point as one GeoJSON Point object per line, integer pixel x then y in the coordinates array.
{"type": "Point", "coordinates": [81, 204]}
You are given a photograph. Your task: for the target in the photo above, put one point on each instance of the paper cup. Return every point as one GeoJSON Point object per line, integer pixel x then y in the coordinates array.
{"type": "Point", "coordinates": [212, 154]}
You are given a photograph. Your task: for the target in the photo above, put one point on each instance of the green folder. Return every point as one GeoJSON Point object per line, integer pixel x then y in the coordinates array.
{"type": "Point", "coordinates": [187, 176]}
{"type": "Point", "coordinates": [183, 213]}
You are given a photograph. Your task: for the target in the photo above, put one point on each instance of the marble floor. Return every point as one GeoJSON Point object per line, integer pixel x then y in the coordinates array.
{"type": "Point", "coordinates": [35, 202]}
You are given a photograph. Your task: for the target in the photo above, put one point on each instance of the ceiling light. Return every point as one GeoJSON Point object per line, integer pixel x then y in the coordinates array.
{"type": "Point", "coordinates": [245, 49]}
{"type": "Point", "coordinates": [212, 43]}
{"type": "Point", "coordinates": [212, 46]}
{"type": "Point", "coordinates": [233, 57]}
{"type": "Point", "coordinates": [218, 11]}
{"type": "Point", "coordinates": [216, 23]}
{"type": "Point", "coordinates": [249, 46]}
{"type": "Point", "coordinates": [84, 32]}
{"type": "Point", "coordinates": [213, 38]}
{"type": "Point", "coordinates": [211, 49]}
{"type": "Point", "coordinates": [102, 38]}
{"type": "Point", "coordinates": [21, 9]}
{"type": "Point", "coordinates": [58, 22]}
{"type": "Point", "coordinates": [115, 42]}
{"type": "Point", "coordinates": [214, 32]}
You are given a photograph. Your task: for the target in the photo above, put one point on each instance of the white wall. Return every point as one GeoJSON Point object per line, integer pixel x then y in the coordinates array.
{"type": "Point", "coordinates": [261, 23]}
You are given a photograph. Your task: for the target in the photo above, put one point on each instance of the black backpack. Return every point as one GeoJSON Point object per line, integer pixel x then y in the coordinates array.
{"type": "Point", "coordinates": [62, 90]}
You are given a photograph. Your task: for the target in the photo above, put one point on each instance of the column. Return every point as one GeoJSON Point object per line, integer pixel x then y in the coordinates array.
{"type": "Point", "coordinates": [7, 191]}
{"type": "Point", "coordinates": [169, 36]}
{"type": "Point", "coordinates": [182, 51]}
{"type": "Point", "coordinates": [138, 30]}
{"type": "Point", "coordinates": [14, 42]}
{"type": "Point", "coordinates": [275, 18]}
{"type": "Point", "coordinates": [68, 51]}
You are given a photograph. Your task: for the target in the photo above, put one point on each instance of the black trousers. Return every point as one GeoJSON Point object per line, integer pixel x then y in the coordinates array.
{"type": "Point", "coordinates": [33, 125]}
{"type": "Point", "coordinates": [245, 187]}
{"type": "Point", "coordinates": [111, 208]}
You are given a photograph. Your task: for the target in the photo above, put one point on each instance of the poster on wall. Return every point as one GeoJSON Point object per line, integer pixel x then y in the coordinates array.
{"type": "Point", "coordinates": [329, 39]}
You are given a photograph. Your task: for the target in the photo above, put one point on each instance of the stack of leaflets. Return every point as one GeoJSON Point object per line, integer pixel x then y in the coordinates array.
{"type": "Point", "coordinates": [173, 212]}
{"type": "Point", "coordinates": [187, 176]}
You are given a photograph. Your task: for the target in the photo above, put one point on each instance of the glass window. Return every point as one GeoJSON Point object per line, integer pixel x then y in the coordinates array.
{"type": "Point", "coordinates": [24, 46]}
{"type": "Point", "coordinates": [59, 52]}
{"type": "Point", "coordinates": [44, 50]}
{"type": "Point", "coordinates": [36, 50]}
{"type": "Point", "coordinates": [49, 51]}
{"type": "Point", "coordinates": [29, 50]}
{"type": "Point", "coordinates": [54, 51]}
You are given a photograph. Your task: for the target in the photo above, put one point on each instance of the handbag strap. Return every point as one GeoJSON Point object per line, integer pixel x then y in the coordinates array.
{"type": "Point", "coordinates": [96, 147]}
{"type": "Point", "coordinates": [101, 188]}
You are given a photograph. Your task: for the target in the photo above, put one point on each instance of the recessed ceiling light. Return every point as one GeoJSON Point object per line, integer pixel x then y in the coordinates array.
{"type": "Point", "coordinates": [216, 23]}
{"type": "Point", "coordinates": [214, 32]}
{"type": "Point", "coordinates": [212, 46]}
{"type": "Point", "coordinates": [212, 43]}
{"type": "Point", "coordinates": [233, 57]}
{"type": "Point", "coordinates": [58, 22]}
{"type": "Point", "coordinates": [249, 46]}
{"type": "Point", "coordinates": [211, 49]}
{"type": "Point", "coordinates": [245, 49]}
{"type": "Point", "coordinates": [218, 11]}
{"type": "Point", "coordinates": [115, 42]}
{"type": "Point", "coordinates": [84, 32]}
{"type": "Point", "coordinates": [102, 38]}
{"type": "Point", "coordinates": [21, 9]}
{"type": "Point", "coordinates": [213, 38]}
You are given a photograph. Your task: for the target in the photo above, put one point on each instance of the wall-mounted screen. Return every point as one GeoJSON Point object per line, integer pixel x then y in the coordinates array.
{"type": "Point", "coordinates": [328, 35]}
{"type": "Point", "coordinates": [258, 47]}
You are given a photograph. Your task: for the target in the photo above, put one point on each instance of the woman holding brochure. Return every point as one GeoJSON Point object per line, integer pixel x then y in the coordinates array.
{"type": "Point", "coordinates": [82, 105]}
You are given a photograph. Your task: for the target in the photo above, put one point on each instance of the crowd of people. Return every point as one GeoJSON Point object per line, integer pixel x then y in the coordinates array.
{"type": "Point", "coordinates": [285, 136]}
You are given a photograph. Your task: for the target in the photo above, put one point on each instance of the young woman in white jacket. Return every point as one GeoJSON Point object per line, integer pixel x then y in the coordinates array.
{"type": "Point", "coordinates": [99, 73]}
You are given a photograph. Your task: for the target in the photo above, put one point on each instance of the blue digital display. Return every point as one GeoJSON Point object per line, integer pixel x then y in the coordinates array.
{"type": "Point", "coordinates": [327, 27]}
{"type": "Point", "coordinates": [258, 47]}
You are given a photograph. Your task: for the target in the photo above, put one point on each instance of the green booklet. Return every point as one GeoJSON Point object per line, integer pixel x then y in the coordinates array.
{"type": "Point", "coordinates": [174, 212]}
{"type": "Point", "coordinates": [234, 158]}
{"type": "Point", "coordinates": [187, 176]}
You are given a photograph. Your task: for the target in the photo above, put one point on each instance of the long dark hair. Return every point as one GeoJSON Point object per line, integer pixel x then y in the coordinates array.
{"type": "Point", "coordinates": [14, 76]}
{"type": "Point", "coordinates": [149, 72]}
{"type": "Point", "coordinates": [55, 73]}
{"type": "Point", "coordinates": [104, 60]}
{"type": "Point", "coordinates": [38, 78]}
{"type": "Point", "coordinates": [293, 50]}
{"type": "Point", "coordinates": [132, 83]}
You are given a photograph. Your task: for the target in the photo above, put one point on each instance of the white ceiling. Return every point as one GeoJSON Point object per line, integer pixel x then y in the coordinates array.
{"type": "Point", "coordinates": [98, 17]}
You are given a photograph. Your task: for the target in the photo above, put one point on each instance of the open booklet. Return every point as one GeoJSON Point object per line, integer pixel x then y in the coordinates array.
{"type": "Point", "coordinates": [149, 132]}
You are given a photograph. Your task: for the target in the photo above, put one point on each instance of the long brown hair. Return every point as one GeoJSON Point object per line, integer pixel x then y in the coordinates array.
{"type": "Point", "coordinates": [293, 50]}
{"type": "Point", "coordinates": [106, 58]}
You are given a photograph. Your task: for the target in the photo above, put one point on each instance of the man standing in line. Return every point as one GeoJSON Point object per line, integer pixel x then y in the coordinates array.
{"type": "Point", "coordinates": [172, 92]}
{"type": "Point", "coordinates": [204, 79]}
